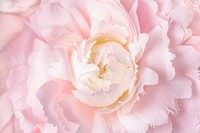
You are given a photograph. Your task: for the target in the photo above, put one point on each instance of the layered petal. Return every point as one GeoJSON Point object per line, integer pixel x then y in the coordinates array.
{"type": "Point", "coordinates": [157, 49]}
{"type": "Point", "coordinates": [147, 11]}
{"type": "Point", "coordinates": [11, 6]}
{"type": "Point", "coordinates": [11, 26]}
{"type": "Point", "coordinates": [54, 63]}
{"type": "Point", "coordinates": [188, 63]}
{"type": "Point", "coordinates": [155, 112]}
{"type": "Point", "coordinates": [49, 28]}
{"type": "Point", "coordinates": [7, 114]}
{"type": "Point", "coordinates": [49, 96]}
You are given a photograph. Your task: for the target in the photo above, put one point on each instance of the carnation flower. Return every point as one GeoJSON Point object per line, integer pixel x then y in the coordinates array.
{"type": "Point", "coordinates": [100, 66]}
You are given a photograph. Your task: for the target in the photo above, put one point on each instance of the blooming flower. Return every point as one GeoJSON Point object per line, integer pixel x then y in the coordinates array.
{"type": "Point", "coordinates": [100, 66]}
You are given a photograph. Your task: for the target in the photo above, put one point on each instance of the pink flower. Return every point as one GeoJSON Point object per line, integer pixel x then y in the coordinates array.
{"type": "Point", "coordinates": [129, 66]}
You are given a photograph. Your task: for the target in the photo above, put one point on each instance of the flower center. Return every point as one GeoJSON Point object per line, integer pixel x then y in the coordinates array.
{"type": "Point", "coordinates": [110, 74]}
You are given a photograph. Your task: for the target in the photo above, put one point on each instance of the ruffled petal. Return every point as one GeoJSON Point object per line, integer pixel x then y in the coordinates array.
{"type": "Point", "coordinates": [194, 41]}
{"type": "Point", "coordinates": [11, 127]}
{"type": "Point", "coordinates": [99, 124]}
{"type": "Point", "coordinates": [128, 4]}
{"type": "Point", "coordinates": [147, 77]}
{"type": "Point", "coordinates": [112, 13]}
{"type": "Point", "coordinates": [77, 112]}
{"type": "Point", "coordinates": [155, 112]}
{"type": "Point", "coordinates": [136, 49]}
{"type": "Point", "coordinates": [12, 6]}
{"type": "Point", "coordinates": [49, 96]}
{"type": "Point", "coordinates": [156, 55]}
{"type": "Point", "coordinates": [187, 63]}
{"type": "Point", "coordinates": [166, 128]}
{"type": "Point", "coordinates": [147, 11]}
{"type": "Point", "coordinates": [66, 21]}
{"type": "Point", "coordinates": [53, 63]}
{"type": "Point", "coordinates": [179, 14]}
{"type": "Point", "coordinates": [7, 115]}
{"type": "Point", "coordinates": [11, 26]}
{"type": "Point", "coordinates": [194, 25]}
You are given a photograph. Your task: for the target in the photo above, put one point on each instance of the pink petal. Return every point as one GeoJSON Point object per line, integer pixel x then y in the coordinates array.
{"type": "Point", "coordinates": [11, 127]}
{"type": "Point", "coordinates": [147, 77]}
{"type": "Point", "coordinates": [11, 26]}
{"type": "Point", "coordinates": [49, 95]}
{"type": "Point", "coordinates": [187, 62]}
{"type": "Point", "coordinates": [165, 6]}
{"type": "Point", "coordinates": [100, 125]}
{"type": "Point", "coordinates": [156, 55]}
{"type": "Point", "coordinates": [194, 25]}
{"type": "Point", "coordinates": [194, 41]}
{"type": "Point", "coordinates": [53, 63]}
{"type": "Point", "coordinates": [137, 49]}
{"type": "Point", "coordinates": [166, 128]}
{"type": "Point", "coordinates": [178, 34]}
{"type": "Point", "coordinates": [108, 123]}
{"type": "Point", "coordinates": [147, 12]}
{"type": "Point", "coordinates": [77, 112]}
{"type": "Point", "coordinates": [131, 8]}
{"type": "Point", "coordinates": [49, 128]}
{"type": "Point", "coordinates": [112, 13]}
{"type": "Point", "coordinates": [6, 111]}
{"type": "Point", "coordinates": [65, 21]}
{"type": "Point", "coordinates": [10, 6]}
{"type": "Point", "coordinates": [181, 15]}
{"type": "Point", "coordinates": [157, 103]}
{"type": "Point", "coordinates": [12, 56]}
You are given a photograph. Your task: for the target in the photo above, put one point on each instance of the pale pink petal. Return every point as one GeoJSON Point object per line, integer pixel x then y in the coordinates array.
{"type": "Point", "coordinates": [49, 128]}
{"type": "Point", "coordinates": [49, 95]}
{"type": "Point", "coordinates": [4, 70]}
{"type": "Point", "coordinates": [133, 123]}
{"type": "Point", "coordinates": [13, 6]}
{"type": "Point", "coordinates": [62, 109]}
{"type": "Point", "coordinates": [194, 25]}
{"type": "Point", "coordinates": [17, 87]}
{"type": "Point", "coordinates": [56, 17]}
{"type": "Point", "coordinates": [108, 123]}
{"type": "Point", "coordinates": [31, 119]}
{"type": "Point", "coordinates": [136, 49]}
{"type": "Point", "coordinates": [96, 99]}
{"type": "Point", "coordinates": [11, 26]}
{"type": "Point", "coordinates": [176, 11]}
{"type": "Point", "coordinates": [195, 42]}
{"type": "Point", "coordinates": [128, 4]}
{"type": "Point", "coordinates": [166, 128]}
{"type": "Point", "coordinates": [147, 77]}
{"type": "Point", "coordinates": [11, 127]}
{"type": "Point", "coordinates": [181, 15]}
{"type": "Point", "coordinates": [155, 112]}
{"type": "Point", "coordinates": [100, 125]}
{"type": "Point", "coordinates": [178, 34]}
{"type": "Point", "coordinates": [13, 57]}
{"type": "Point", "coordinates": [47, 63]}
{"type": "Point", "coordinates": [112, 13]}
{"type": "Point", "coordinates": [166, 6]}
{"type": "Point", "coordinates": [77, 112]}
{"type": "Point", "coordinates": [18, 68]}
{"type": "Point", "coordinates": [156, 55]}
{"type": "Point", "coordinates": [6, 111]}
{"type": "Point", "coordinates": [147, 11]}
{"type": "Point", "coordinates": [187, 62]}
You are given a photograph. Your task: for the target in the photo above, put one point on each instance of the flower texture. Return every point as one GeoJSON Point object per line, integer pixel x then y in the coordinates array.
{"type": "Point", "coordinates": [100, 66]}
